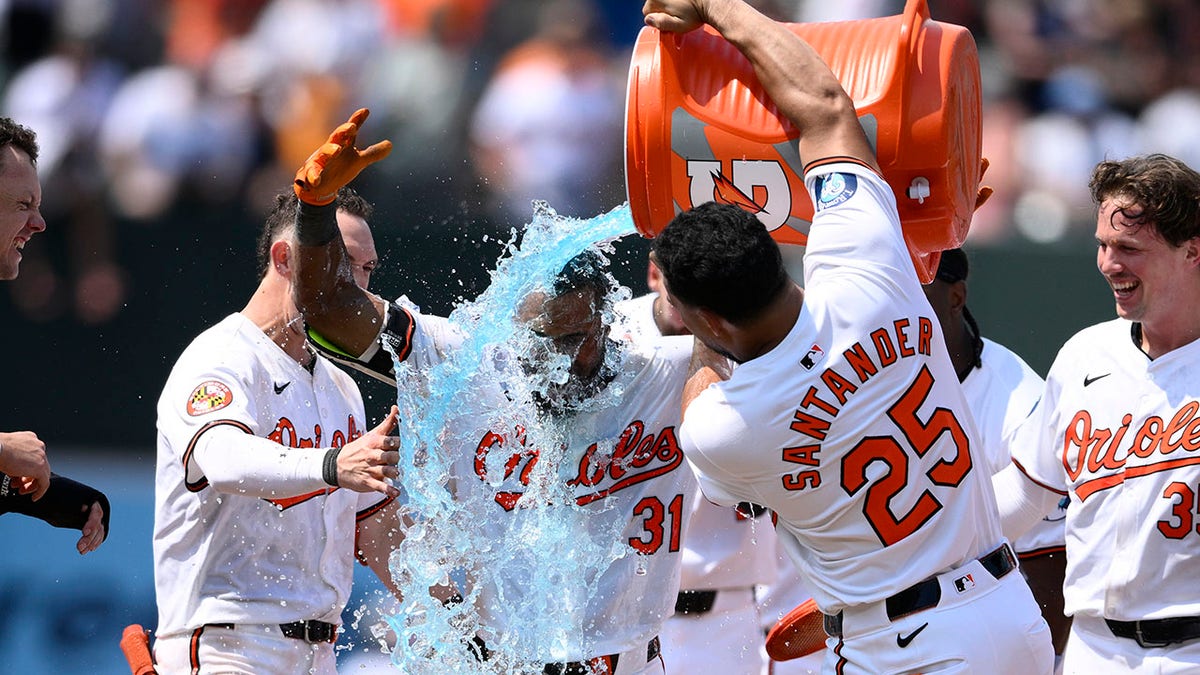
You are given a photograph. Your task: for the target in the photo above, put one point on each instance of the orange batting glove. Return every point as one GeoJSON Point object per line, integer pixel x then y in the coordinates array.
{"type": "Point", "coordinates": [336, 163]}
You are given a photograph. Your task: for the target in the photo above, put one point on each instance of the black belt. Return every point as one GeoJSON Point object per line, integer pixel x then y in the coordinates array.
{"type": "Point", "coordinates": [310, 631]}
{"type": "Point", "coordinates": [695, 602]}
{"type": "Point", "coordinates": [600, 665]}
{"type": "Point", "coordinates": [1157, 632]}
{"type": "Point", "coordinates": [928, 593]}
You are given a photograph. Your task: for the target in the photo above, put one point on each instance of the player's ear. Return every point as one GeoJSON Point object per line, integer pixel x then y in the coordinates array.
{"type": "Point", "coordinates": [714, 323]}
{"type": "Point", "coordinates": [1192, 251]}
{"type": "Point", "coordinates": [654, 278]}
{"type": "Point", "coordinates": [958, 296]}
{"type": "Point", "coordinates": [281, 257]}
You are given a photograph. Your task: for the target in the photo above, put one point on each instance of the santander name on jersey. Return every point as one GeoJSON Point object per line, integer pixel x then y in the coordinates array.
{"type": "Point", "coordinates": [862, 438]}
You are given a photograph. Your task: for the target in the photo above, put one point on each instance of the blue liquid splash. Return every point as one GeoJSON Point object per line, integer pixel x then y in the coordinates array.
{"type": "Point", "coordinates": [542, 557]}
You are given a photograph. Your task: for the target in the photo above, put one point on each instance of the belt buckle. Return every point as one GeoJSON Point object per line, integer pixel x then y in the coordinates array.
{"type": "Point", "coordinates": [310, 627]}
{"type": "Point", "coordinates": [1142, 641]}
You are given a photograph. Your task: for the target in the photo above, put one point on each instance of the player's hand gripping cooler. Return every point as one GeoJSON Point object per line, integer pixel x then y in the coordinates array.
{"type": "Point", "coordinates": [699, 127]}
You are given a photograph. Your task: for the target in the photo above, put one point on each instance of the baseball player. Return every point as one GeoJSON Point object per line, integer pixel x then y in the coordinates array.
{"type": "Point", "coordinates": [1002, 391]}
{"type": "Point", "coordinates": [267, 485]}
{"type": "Point", "coordinates": [27, 485]}
{"type": "Point", "coordinates": [1115, 431]}
{"type": "Point", "coordinates": [617, 398]}
{"type": "Point", "coordinates": [727, 554]}
{"type": "Point", "coordinates": [844, 415]}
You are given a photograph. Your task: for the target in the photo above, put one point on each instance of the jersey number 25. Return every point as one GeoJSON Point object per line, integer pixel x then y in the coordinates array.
{"type": "Point", "coordinates": [916, 436]}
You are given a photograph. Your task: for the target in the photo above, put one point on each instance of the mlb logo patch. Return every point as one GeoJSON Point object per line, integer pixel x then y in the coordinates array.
{"type": "Point", "coordinates": [964, 584]}
{"type": "Point", "coordinates": [813, 357]}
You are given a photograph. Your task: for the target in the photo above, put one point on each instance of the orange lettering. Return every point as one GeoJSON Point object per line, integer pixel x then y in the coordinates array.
{"type": "Point", "coordinates": [813, 427]}
{"type": "Point", "coordinates": [803, 454]}
{"type": "Point", "coordinates": [883, 346]}
{"type": "Point", "coordinates": [802, 480]}
{"type": "Point", "coordinates": [840, 386]}
{"type": "Point", "coordinates": [902, 338]}
{"type": "Point", "coordinates": [924, 335]}
{"type": "Point", "coordinates": [811, 398]}
{"type": "Point", "coordinates": [857, 358]}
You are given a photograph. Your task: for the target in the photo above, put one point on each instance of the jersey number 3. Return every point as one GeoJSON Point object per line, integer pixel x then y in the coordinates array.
{"type": "Point", "coordinates": [893, 452]}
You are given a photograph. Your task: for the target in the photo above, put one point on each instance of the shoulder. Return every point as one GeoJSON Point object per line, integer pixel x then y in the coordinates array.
{"type": "Point", "coordinates": [1102, 337]}
{"type": "Point", "coordinates": [225, 345]}
{"type": "Point", "coordinates": [669, 354]}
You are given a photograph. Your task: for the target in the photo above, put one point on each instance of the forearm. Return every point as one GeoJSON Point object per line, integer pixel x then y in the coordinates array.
{"type": "Point", "coordinates": [1022, 503]}
{"type": "Point", "coordinates": [797, 80]}
{"type": "Point", "coordinates": [705, 368]}
{"type": "Point", "coordinates": [65, 504]}
{"type": "Point", "coordinates": [235, 462]}
{"type": "Point", "coordinates": [324, 288]}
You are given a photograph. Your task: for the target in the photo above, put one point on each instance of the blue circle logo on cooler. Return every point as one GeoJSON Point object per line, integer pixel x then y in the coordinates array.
{"type": "Point", "coordinates": [834, 189]}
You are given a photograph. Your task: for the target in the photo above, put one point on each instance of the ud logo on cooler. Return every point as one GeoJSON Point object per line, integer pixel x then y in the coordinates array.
{"type": "Point", "coordinates": [835, 188]}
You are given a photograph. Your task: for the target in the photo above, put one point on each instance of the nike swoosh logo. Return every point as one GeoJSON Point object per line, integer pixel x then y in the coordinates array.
{"type": "Point", "coordinates": [1087, 379]}
{"type": "Point", "coordinates": [903, 640]}
{"type": "Point", "coordinates": [280, 387]}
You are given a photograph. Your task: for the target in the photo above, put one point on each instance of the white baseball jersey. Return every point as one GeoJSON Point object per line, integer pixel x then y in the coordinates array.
{"type": "Point", "coordinates": [723, 549]}
{"type": "Point", "coordinates": [854, 429]}
{"type": "Point", "coordinates": [634, 319]}
{"type": "Point", "coordinates": [642, 493]}
{"type": "Point", "coordinates": [723, 552]}
{"type": "Point", "coordinates": [223, 557]}
{"type": "Point", "coordinates": [1118, 432]}
{"type": "Point", "coordinates": [1002, 392]}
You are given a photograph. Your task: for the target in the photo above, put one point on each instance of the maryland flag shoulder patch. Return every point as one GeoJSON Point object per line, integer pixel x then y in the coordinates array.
{"type": "Point", "coordinates": [209, 397]}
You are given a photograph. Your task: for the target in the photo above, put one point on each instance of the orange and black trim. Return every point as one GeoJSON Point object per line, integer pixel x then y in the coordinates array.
{"type": "Point", "coordinates": [194, 650]}
{"type": "Point", "coordinates": [202, 482]}
{"type": "Point", "coordinates": [837, 159]}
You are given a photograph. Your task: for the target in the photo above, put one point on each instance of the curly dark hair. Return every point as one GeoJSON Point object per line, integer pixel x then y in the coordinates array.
{"type": "Point", "coordinates": [722, 258]}
{"type": "Point", "coordinates": [587, 269]}
{"type": "Point", "coordinates": [283, 216]}
{"type": "Point", "coordinates": [20, 137]}
{"type": "Point", "coordinates": [1161, 191]}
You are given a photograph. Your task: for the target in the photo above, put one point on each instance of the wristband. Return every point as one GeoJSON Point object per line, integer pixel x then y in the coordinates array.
{"type": "Point", "coordinates": [316, 225]}
{"type": "Point", "coordinates": [329, 468]}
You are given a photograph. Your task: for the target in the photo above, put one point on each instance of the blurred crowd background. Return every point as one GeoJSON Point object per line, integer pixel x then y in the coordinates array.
{"type": "Point", "coordinates": [167, 125]}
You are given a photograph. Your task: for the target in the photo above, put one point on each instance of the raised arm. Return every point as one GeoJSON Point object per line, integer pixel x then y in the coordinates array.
{"type": "Point", "coordinates": [323, 286]}
{"type": "Point", "coordinates": [795, 77]}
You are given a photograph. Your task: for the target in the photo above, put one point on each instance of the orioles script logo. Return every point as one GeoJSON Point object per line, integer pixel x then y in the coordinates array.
{"type": "Point", "coordinates": [637, 456]}
{"type": "Point", "coordinates": [1097, 451]}
{"type": "Point", "coordinates": [285, 434]}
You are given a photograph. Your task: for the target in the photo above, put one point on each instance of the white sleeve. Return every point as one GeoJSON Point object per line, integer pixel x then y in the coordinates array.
{"type": "Point", "coordinates": [236, 462]}
{"type": "Point", "coordinates": [1023, 503]}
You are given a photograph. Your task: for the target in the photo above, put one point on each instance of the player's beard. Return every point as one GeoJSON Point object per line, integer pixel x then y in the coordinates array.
{"type": "Point", "coordinates": [572, 396]}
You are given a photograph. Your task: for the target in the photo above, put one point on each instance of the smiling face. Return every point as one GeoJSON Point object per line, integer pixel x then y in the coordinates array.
{"type": "Point", "coordinates": [1150, 279]}
{"type": "Point", "coordinates": [20, 199]}
{"type": "Point", "coordinates": [360, 247]}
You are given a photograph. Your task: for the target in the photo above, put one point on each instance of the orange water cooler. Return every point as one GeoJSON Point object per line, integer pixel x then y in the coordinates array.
{"type": "Point", "coordinates": [699, 127]}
